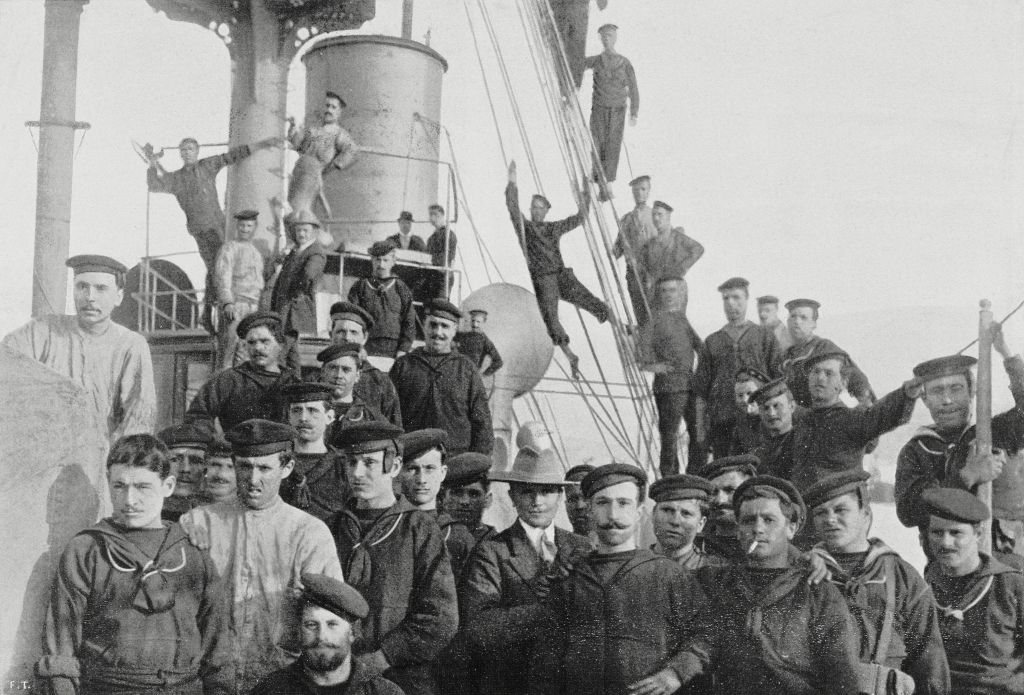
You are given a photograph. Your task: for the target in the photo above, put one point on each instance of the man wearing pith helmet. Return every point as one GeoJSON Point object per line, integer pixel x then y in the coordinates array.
{"type": "Point", "coordinates": [980, 600]}
{"type": "Point", "coordinates": [943, 454]}
{"type": "Point", "coordinates": [764, 607]}
{"type": "Point", "coordinates": [330, 613]}
{"type": "Point", "coordinates": [111, 363]}
{"type": "Point", "coordinates": [619, 620]}
{"type": "Point", "coordinates": [261, 545]}
{"type": "Point", "coordinates": [395, 555]}
{"type": "Point", "coordinates": [891, 603]}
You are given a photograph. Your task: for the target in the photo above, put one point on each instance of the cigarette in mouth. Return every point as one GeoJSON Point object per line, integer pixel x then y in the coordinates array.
{"type": "Point", "coordinates": [753, 545]}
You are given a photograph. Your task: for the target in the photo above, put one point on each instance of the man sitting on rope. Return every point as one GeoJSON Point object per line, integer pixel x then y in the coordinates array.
{"type": "Point", "coordinates": [551, 279]}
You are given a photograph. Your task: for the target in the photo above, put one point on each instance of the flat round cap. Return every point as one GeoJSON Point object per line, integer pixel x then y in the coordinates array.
{"type": "Point", "coordinates": [744, 463]}
{"type": "Point", "coordinates": [761, 485]}
{"type": "Point", "coordinates": [840, 355]}
{"type": "Point", "coordinates": [418, 442]}
{"type": "Point", "coordinates": [381, 248]}
{"type": "Point", "coordinates": [734, 283]}
{"type": "Point", "coordinates": [473, 311]}
{"type": "Point", "coordinates": [246, 215]}
{"type": "Point", "coordinates": [803, 302]}
{"type": "Point", "coordinates": [954, 504]}
{"type": "Point", "coordinates": [945, 366]}
{"type": "Point", "coordinates": [644, 178]}
{"type": "Point", "coordinates": [260, 438]}
{"type": "Point", "coordinates": [191, 435]}
{"type": "Point", "coordinates": [681, 487]}
{"type": "Point", "coordinates": [607, 27]}
{"type": "Point", "coordinates": [545, 201]}
{"type": "Point", "coordinates": [466, 468]}
{"type": "Point", "coordinates": [768, 299]}
{"type": "Point", "coordinates": [751, 374]}
{"type": "Point", "coordinates": [347, 311]}
{"type": "Point", "coordinates": [270, 319]}
{"type": "Point", "coordinates": [333, 352]}
{"type": "Point", "coordinates": [663, 206]}
{"type": "Point", "coordinates": [444, 309]}
{"type": "Point", "coordinates": [770, 391]}
{"type": "Point", "coordinates": [335, 596]}
{"type": "Point", "coordinates": [307, 392]}
{"type": "Point", "coordinates": [835, 485]}
{"type": "Point", "coordinates": [366, 436]}
{"type": "Point", "coordinates": [94, 263]}
{"type": "Point", "coordinates": [533, 467]}
{"type": "Point", "coordinates": [578, 472]}
{"type": "Point", "coordinates": [612, 474]}
{"type": "Point", "coordinates": [219, 447]}
{"type": "Point", "coordinates": [405, 216]}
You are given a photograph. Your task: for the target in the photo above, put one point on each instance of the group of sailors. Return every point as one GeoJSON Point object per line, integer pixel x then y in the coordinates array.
{"type": "Point", "coordinates": [333, 539]}
{"type": "Point", "coordinates": [323, 533]}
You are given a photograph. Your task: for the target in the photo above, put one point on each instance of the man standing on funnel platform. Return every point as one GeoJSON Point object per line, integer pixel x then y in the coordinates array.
{"type": "Point", "coordinates": [320, 148]}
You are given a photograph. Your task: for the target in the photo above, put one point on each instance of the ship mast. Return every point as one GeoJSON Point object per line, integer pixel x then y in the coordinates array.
{"type": "Point", "coordinates": [57, 126]}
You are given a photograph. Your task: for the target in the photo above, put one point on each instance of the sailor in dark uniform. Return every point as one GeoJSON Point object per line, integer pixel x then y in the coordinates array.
{"type": "Point", "coordinates": [681, 507]}
{"type": "Point", "coordinates": [340, 369]}
{"type": "Point", "coordinates": [423, 468]}
{"type": "Point", "coordinates": [317, 483]}
{"type": "Point", "coordinates": [803, 319]}
{"type": "Point", "coordinates": [351, 323]}
{"type": "Point", "coordinates": [891, 603]}
{"type": "Point", "coordinates": [980, 600]}
{"type": "Point", "coordinates": [466, 493]}
{"type": "Point", "coordinates": [187, 444]}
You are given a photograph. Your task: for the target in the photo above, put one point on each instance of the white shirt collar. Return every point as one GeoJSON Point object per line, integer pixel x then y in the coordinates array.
{"type": "Point", "coordinates": [535, 534]}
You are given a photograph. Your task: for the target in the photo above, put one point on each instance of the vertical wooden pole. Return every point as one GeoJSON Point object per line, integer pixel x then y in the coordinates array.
{"type": "Point", "coordinates": [983, 428]}
{"type": "Point", "coordinates": [407, 19]}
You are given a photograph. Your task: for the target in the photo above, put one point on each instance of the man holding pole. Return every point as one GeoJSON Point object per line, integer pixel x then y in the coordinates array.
{"type": "Point", "coordinates": [945, 453]}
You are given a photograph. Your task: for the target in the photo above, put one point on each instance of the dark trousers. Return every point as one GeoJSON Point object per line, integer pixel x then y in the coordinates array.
{"type": "Point", "coordinates": [551, 287]}
{"type": "Point", "coordinates": [382, 347]}
{"type": "Point", "coordinates": [674, 409]}
{"type": "Point", "coordinates": [636, 296]}
{"type": "Point", "coordinates": [209, 242]}
{"type": "Point", "coordinates": [607, 126]}
{"type": "Point", "coordinates": [720, 438]}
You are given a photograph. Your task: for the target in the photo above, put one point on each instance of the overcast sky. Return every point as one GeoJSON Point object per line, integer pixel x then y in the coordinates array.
{"type": "Point", "coordinates": [867, 154]}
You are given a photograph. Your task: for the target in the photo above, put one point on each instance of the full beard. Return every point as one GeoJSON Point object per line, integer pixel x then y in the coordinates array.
{"type": "Point", "coordinates": [324, 658]}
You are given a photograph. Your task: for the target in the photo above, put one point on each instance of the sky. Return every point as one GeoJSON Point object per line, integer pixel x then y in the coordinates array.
{"type": "Point", "coordinates": [866, 154]}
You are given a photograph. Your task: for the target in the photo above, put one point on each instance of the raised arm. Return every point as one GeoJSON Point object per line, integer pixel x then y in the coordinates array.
{"type": "Point", "coordinates": [512, 196]}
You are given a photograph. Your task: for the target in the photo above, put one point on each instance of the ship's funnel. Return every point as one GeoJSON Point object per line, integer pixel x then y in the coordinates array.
{"type": "Point", "coordinates": [392, 88]}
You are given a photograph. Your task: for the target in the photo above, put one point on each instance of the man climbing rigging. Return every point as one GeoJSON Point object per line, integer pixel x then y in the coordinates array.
{"type": "Point", "coordinates": [551, 279]}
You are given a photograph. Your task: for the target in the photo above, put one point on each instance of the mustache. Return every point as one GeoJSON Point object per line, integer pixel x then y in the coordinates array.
{"type": "Point", "coordinates": [614, 525]}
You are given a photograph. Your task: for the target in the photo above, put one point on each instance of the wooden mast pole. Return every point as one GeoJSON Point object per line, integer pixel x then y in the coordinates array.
{"type": "Point", "coordinates": [983, 428]}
